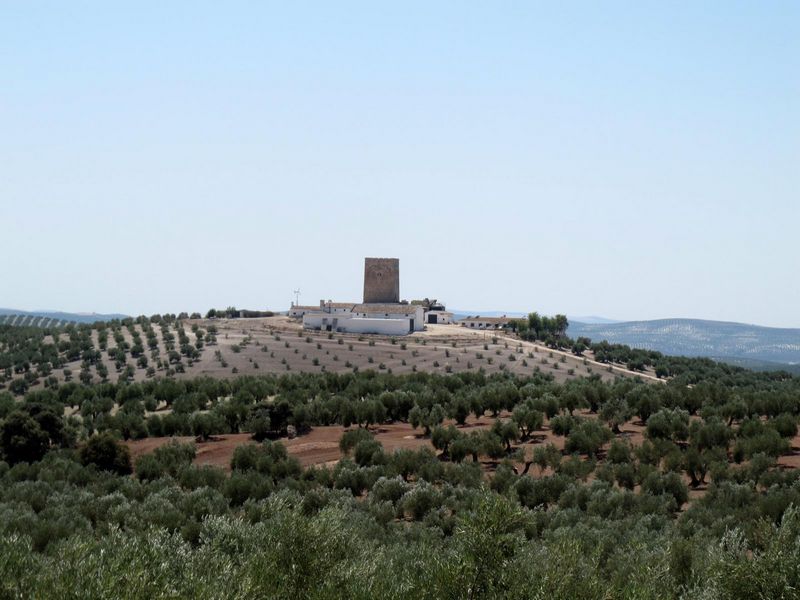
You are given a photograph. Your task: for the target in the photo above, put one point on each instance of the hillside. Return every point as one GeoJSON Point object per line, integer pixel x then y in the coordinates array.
{"type": "Point", "coordinates": [227, 348]}
{"type": "Point", "coordinates": [745, 345]}
{"type": "Point", "coordinates": [397, 437]}
{"type": "Point", "coordinates": [171, 463]}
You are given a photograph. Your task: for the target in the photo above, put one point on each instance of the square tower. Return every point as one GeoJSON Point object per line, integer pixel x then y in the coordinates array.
{"type": "Point", "coordinates": [381, 280]}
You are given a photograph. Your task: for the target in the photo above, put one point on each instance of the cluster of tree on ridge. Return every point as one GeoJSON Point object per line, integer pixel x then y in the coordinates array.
{"type": "Point", "coordinates": [234, 313]}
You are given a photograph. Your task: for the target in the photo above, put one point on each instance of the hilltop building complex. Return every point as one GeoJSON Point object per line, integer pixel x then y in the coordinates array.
{"type": "Point", "coordinates": [381, 311]}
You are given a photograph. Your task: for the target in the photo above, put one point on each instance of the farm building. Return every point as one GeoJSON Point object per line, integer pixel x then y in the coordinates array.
{"type": "Point", "coordinates": [381, 312]}
{"type": "Point", "coordinates": [297, 311]}
{"type": "Point", "coordinates": [435, 312]}
{"type": "Point", "coordinates": [350, 323]}
{"type": "Point", "coordinates": [336, 307]}
{"type": "Point", "coordinates": [408, 312]}
{"type": "Point", "coordinates": [387, 319]}
{"type": "Point", "coordinates": [486, 322]}
{"type": "Point", "coordinates": [438, 317]}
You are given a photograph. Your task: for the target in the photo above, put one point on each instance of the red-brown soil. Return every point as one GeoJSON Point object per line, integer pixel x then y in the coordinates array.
{"type": "Point", "coordinates": [321, 445]}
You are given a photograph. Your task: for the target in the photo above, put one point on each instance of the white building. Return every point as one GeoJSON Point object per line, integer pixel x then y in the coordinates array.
{"type": "Point", "coordinates": [412, 313]}
{"type": "Point", "coordinates": [336, 307]}
{"type": "Point", "coordinates": [439, 317]}
{"type": "Point", "coordinates": [486, 322]}
{"type": "Point", "coordinates": [386, 316]}
{"type": "Point", "coordinates": [297, 311]}
{"type": "Point", "coordinates": [349, 323]}
{"type": "Point", "coordinates": [386, 319]}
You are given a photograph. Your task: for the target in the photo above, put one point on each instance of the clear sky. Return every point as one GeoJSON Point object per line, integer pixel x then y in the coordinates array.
{"type": "Point", "coordinates": [632, 160]}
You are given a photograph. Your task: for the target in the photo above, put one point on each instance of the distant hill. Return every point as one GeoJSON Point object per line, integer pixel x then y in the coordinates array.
{"type": "Point", "coordinates": [591, 320]}
{"type": "Point", "coordinates": [752, 346]}
{"type": "Point", "coordinates": [44, 318]}
{"type": "Point", "coordinates": [760, 365]}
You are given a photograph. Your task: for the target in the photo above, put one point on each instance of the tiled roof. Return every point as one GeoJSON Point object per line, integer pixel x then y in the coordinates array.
{"type": "Point", "coordinates": [306, 308]}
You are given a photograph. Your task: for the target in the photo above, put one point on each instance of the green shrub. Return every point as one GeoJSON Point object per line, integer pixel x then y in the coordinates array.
{"type": "Point", "coordinates": [106, 453]}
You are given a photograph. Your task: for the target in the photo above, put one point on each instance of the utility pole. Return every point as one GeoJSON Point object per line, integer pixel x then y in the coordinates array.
{"type": "Point", "coordinates": [296, 297]}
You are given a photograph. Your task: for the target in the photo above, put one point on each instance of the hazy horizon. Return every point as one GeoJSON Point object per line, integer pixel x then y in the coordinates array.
{"type": "Point", "coordinates": [628, 161]}
{"type": "Point", "coordinates": [584, 319]}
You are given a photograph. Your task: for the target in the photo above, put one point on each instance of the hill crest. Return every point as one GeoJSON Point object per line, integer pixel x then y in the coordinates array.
{"type": "Point", "coordinates": [698, 337]}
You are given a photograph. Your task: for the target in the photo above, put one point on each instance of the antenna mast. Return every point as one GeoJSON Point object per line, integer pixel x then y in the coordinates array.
{"type": "Point", "coordinates": [296, 297]}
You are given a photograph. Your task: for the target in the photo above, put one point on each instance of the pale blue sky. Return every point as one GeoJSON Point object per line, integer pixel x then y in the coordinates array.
{"type": "Point", "coordinates": [632, 160]}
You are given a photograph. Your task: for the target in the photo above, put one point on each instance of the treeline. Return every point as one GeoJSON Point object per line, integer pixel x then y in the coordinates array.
{"type": "Point", "coordinates": [235, 313]}
{"type": "Point", "coordinates": [269, 404]}
{"type": "Point", "coordinates": [540, 327]}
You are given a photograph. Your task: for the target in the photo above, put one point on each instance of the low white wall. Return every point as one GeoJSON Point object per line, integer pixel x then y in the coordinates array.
{"type": "Point", "coordinates": [419, 319]}
{"type": "Point", "coordinates": [318, 320]}
{"type": "Point", "coordinates": [348, 323]}
{"type": "Point", "coordinates": [383, 326]}
{"type": "Point", "coordinates": [414, 312]}
{"type": "Point", "coordinates": [442, 318]}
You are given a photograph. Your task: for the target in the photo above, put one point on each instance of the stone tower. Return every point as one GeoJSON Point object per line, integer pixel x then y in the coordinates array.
{"type": "Point", "coordinates": [381, 280]}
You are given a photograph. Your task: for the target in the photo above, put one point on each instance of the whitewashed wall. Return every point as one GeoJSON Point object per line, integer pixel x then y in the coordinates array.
{"type": "Point", "coordinates": [414, 312]}
{"type": "Point", "coordinates": [351, 324]}
{"type": "Point", "coordinates": [442, 318]}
